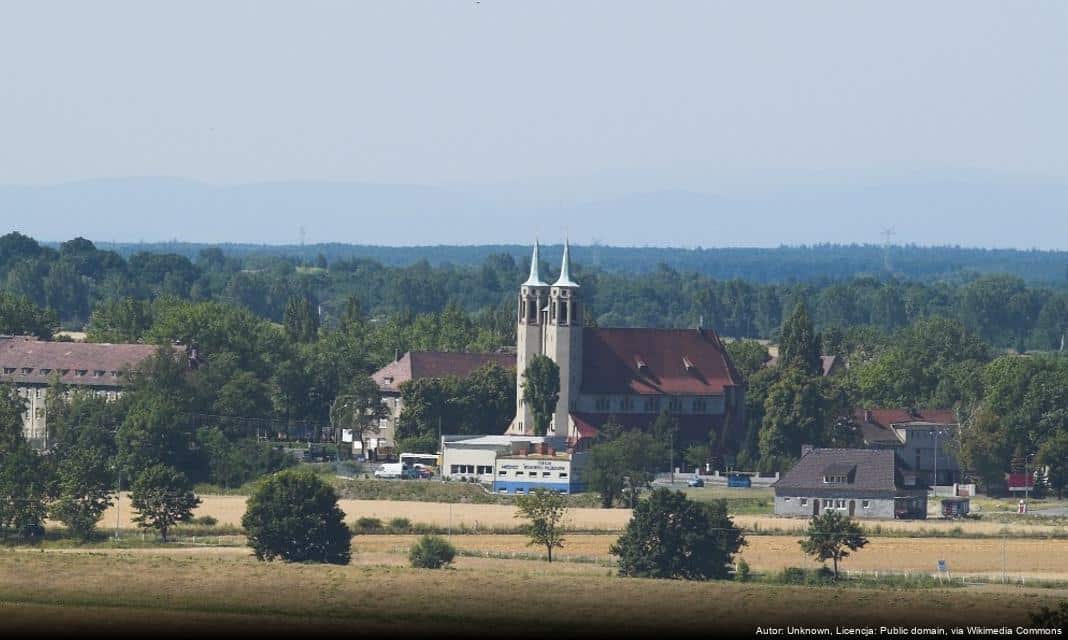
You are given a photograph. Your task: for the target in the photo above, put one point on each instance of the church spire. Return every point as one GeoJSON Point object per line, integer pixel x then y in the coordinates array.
{"type": "Point", "coordinates": [535, 279]}
{"type": "Point", "coordinates": [565, 269]}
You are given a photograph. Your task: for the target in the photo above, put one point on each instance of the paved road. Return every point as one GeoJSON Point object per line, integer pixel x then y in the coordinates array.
{"type": "Point", "coordinates": [1053, 513]}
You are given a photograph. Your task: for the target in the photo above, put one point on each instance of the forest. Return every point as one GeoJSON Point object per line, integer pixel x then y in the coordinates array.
{"type": "Point", "coordinates": [287, 342]}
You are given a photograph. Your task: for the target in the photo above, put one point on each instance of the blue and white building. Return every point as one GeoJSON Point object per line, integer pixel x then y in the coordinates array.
{"type": "Point", "coordinates": [550, 470]}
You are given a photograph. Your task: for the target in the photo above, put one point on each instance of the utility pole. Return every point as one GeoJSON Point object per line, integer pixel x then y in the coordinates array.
{"type": "Point", "coordinates": [672, 470]}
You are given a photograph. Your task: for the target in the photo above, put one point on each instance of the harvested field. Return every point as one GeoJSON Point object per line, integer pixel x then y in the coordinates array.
{"type": "Point", "coordinates": [229, 509]}
{"type": "Point", "coordinates": [193, 592]}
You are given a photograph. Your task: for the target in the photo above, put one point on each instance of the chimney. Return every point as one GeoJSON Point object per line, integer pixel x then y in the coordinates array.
{"type": "Point", "coordinates": [396, 355]}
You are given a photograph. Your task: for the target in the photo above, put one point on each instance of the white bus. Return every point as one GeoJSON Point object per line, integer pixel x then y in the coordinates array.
{"type": "Point", "coordinates": [420, 460]}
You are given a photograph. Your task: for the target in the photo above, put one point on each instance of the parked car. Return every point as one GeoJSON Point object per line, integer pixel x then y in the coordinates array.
{"type": "Point", "coordinates": [695, 481]}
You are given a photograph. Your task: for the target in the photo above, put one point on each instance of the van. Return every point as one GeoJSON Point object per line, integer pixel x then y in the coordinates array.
{"type": "Point", "coordinates": [739, 480]}
{"type": "Point", "coordinates": [396, 470]}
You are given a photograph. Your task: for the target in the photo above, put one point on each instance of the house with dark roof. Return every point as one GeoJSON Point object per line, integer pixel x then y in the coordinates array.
{"type": "Point", "coordinates": [627, 375]}
{"type": "Point", "coordinates": [922, 438]}
{"type": "Point", "coordinates": [863, 483]}
{"type": "Point", "coordinates": [31, 364]}
{"type": "Point", "coordinates": [416, 365]}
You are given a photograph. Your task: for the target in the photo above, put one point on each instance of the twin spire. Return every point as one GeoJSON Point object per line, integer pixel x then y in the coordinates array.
{"type": "Point", "coordinates": [565, 270]}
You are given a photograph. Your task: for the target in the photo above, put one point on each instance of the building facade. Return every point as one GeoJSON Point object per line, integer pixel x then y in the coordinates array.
{"type": "Point", "coordinates": [31, 365]}
{"type": "Point", "coordinates": [921, 438]}
{"type": "Point", "coordinates": [862, 483]}
{"type": "Point", "coordinates": [414, 365]}
{"type": "Point", "coordinates": [627, 375]}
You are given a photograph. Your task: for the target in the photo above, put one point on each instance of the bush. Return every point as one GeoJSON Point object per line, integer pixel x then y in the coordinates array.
{"type": "Point", "coordinates": [742, 572]}
{"type": "Point", "coordinates": [431, 552]}
{"type": "Point", "coordinates": [205, 521]}
{"type": "Point", "coordinates": [365, 525]}
{"type": "Point", "coordinates": [400, 524]}
{"type": "Point", "coordinates": [294, 516]}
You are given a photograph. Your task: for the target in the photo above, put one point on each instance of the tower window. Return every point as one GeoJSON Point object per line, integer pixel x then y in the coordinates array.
{"type": "Point", "coordinates": [602, 404]}
{"type": "Point", "coordinates": [675, 405]}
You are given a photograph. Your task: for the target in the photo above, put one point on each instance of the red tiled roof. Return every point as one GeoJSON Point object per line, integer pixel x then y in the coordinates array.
{"type": "Point", "coordinates": [414, 365]}
{"type": "Point", "coordinates": [691, 427]}
{"type": "Point", "coordinates": [655, 361]}
{"type": "Point", "coordinates": [78, 363]}
{"type": "Point", "coordinates": [887, 417]}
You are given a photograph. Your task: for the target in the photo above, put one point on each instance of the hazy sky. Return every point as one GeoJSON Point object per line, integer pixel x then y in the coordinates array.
{"type": "Point", "coordinates": [453, 91]}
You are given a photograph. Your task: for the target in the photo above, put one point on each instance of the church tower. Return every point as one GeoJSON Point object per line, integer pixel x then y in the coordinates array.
{"type": "Point", "coordinates": [533, 297]}
{"type": "Point", "coordinates": [563, 340]}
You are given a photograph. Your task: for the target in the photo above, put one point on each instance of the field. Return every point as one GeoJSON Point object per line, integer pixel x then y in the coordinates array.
{"type": "Point", "coordinates": [229, 509]}
{"type": "Point", "coordinates": [188, 590]}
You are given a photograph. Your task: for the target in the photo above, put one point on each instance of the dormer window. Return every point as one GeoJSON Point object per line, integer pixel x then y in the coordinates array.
{"type": "Point", "coordinates": [838, 474]}
{"type": "Point", "coordinates": [9, 370]}
{"type": "Point", "coordinates": [835, 479]}
{"type": "Point", "coordinates": [81, 372]}
{"type": "Point", "coordinates": [26, 370]}
{"type": "Point", "coordinates": [46, 371]}
{"type": "Point", "coordinates": [640, 363]}
{"type": "Point", "coordinates": [687, 364]}
{"type": "Point", "coordinates": [389, 379]}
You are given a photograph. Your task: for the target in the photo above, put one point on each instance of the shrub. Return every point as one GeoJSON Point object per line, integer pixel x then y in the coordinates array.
{"type": "Point", "coordinates": [294, 516]}
{"type": "Point", "coordinates": [162, 497]}
{"type": "Point", "coordinates": [400, 524]}
{"type": "Point", "coordinates": [742, 572]}
{"type": "Point", "coordinates": [206, 521]}
{"type": "Point", "coordinates": [431, 552]}
{"type": "Point", "coordinates": [368, 524]}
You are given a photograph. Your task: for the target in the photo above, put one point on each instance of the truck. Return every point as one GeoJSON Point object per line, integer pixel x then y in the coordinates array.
{"type": "Point", "coordinates": [396, 470]}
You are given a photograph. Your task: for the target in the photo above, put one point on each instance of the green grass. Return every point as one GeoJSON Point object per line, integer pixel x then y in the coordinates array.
{"type": "Point", "coordinates": [751, 501]}
{"type": "Point", "coordinates": [436, 491]}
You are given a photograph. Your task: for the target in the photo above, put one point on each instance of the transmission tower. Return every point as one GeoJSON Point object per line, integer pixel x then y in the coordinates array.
{"type": "Point", "coordinates": [888, 233]}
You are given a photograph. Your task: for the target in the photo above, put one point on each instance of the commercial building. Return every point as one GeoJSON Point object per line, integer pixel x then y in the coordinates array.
{"type": "Point", "coordinates": [863, 483]}
{"type": "Point", "coordinates": [31, 365]}
{"type": "Point", "coordinates": [473, 458]}
{"type": "Point", "coordinates": [540, 468]}
{"type": "Point", "coordinates": [628, 375]}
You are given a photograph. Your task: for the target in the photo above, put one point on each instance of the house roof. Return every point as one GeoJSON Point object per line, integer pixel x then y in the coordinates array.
{"type": "Point", "coordinates": [876, 471]}
{"type": "Point", "coordinates": [655, 361]}
{"type": "Point", "coordinates": [414, 365]}
{"type": "Point", "coordinates": [691, 427]}
{"type": "Point", "coordinates": [32, 361]}
{"type": "Point", "coordinates": [878, 426]}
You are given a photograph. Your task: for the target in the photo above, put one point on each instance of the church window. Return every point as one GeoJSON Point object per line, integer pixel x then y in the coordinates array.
{"type": "Point", "coordinates": [602, 404]}
{"type": "Point", "coordinates": [652, 404]}
{"type": "Point", "coordinates": [675, 405]}
{"type": "Point", "coordinates": [700, 405]}
{"type": "Point", "coordinates": [625, 403]}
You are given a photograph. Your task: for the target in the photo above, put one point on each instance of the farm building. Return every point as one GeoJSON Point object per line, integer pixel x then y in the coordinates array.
{"type": "Point", "coordinates": [30, 365]}
{"type": "Point", "coordinates": [864, 483]}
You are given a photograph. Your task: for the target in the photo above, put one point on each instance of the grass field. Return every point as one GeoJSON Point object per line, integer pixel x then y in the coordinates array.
{"type": "Point", "coordinates": [183, 591]}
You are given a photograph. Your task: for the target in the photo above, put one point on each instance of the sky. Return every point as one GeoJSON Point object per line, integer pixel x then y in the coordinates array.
{"type": "Point", "coordinates": [535, 101]}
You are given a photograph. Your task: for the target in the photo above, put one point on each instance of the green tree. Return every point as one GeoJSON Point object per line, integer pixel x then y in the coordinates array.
{"type": "Point", "coordinates": [696, 455]}
{"type": "Point", "coordinates": [359, 407]}
{"type": "Point", "coordinates": [431, 552]}
{"type": "Point", "coordinates": [670, 536]}
{"type": "Point", "coordinates": [162, 497]}
{"type": "Point", "coordinates": [545, 511]}
{"type": "Point", "coordinates": [832, 536]}
{"type": "Point", "coordinates": [20, 316]}
{"type": "Point", "coordinates": [123, 320]}
{"type": "Point", "coordinates": [1054, 453]}
{"type": "Point", "coordinates": [85, 489]}
{"type": "Point", "coordinates": [622, 464]}
{"type": "Point", "coordinates": [24, 475]}
{"type": "Point", "coordinates": [294, 516]}
{"type": "Point", "coordinates": [749, 356]}
{"type": "Point", "coordinates": [799, 346]}
{"type": "Point", "coordinates": [541, 391]}
{"type": "Point", "coordinates": [301, 320]}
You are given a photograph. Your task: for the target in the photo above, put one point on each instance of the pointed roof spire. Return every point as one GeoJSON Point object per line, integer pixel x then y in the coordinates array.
{"type": "Point", "coordinates": [535, 279]}
{"type": "Point", "coordinates": [565, 269]}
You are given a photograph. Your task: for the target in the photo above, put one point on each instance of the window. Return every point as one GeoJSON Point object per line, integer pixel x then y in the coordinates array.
{"type": "Point", "coordinates": [27, 369]}
{"type": "Point", "coordinates": [454, 468]}
{"type": "Point", "coordinates": [46, 371]}
{"type": "Point", "coordinates": [675, 405]}
{"type": "Point", "coordinates": [40, 412]}
{"type": "Point", "coordinates": [786, 500]}
{"type": "Point", "coordinates": [699, 405]}
{"type": "Point", "coordinates": [469, 468]}
{"type": "Point", "coordinates": [518, 473]}
{"type": "Point", "coordinates": [835, 479]}
{"type": "Point", "coordinates": [865, 503]}
{"type": "Point", "coordinates": [652, 404]}
{"type": "Point", "coordinates": [81, 372]}
{"type": "Point", "coordinates": [804, 501]}
{"type": "Point", "coordinates": [563, 474]}
{"type": "Point", "coordinates": [485, 469]}
{"type": "Point", "coordinates": [602, 404]}
{"type": "Point", "coordinates": [625, 403]}
{"type": "Point", "coordinates": [502, 472]}
{"type": "Point", "coordinates": [9, 369]}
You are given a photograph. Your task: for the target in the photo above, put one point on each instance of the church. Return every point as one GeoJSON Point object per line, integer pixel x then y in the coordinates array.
{"type": "Point", "coordinates": [626, 376]}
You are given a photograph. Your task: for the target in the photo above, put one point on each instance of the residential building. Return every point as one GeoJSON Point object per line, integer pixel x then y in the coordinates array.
{"type": "Point", "coordinates": [628, 375]}
{"type": "Point", "coordinates": [31, 365]}
{"type": "Point", "coordinates": [414, 365]}
{"type": "Point", "coordinates": [922, 438]}
{"type": "Point", "coordinates": [863, 483]}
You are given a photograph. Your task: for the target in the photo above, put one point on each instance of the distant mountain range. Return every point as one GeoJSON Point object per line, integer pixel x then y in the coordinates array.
{"type": "Point", "coordinates": [970, 211]}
